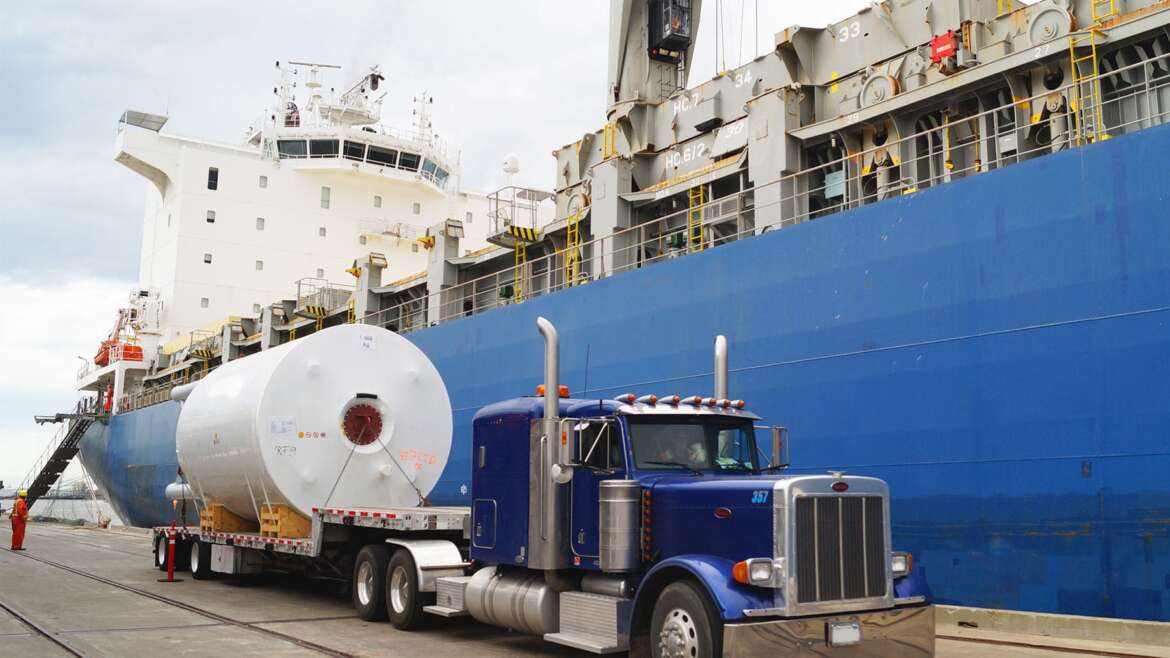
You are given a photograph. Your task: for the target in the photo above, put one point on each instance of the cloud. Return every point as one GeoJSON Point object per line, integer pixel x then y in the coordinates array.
{"type": "Point", "coordinates": [39, 347]}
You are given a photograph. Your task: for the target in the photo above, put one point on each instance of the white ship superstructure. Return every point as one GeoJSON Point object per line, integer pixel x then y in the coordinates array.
{"type": "Point", "coordinates": [316, 182]}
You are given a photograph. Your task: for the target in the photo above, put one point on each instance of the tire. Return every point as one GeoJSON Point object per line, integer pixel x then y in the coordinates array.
{"type": "Point", "coordinates": [182, 555]}
{"type": "Point", "coordinates": [160, 552]}
{"type": "Point", "coordinates": [684, 624]}
{"type": "Point", "coordinates": [404, 602]}
{"type": "Point", "coordinates": [200, 559]}
{"type": "Point", "coordinates": [369, 572]}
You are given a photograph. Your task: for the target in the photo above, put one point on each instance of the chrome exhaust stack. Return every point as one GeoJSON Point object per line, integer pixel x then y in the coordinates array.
{"type": "Point", "coordinates": [721, 368]}
{"type": "Point", "coordinates": [552, 368]}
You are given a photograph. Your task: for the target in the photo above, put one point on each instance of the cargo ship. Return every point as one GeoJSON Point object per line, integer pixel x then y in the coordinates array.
{"type": "Point", "coordinates": [931, 233]}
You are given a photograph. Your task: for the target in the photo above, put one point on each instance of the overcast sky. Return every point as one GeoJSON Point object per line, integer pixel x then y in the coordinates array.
{"type": "Point", "coordinates": [511, 76]}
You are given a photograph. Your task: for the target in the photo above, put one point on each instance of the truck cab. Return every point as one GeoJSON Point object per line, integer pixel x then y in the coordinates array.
{"type": "Point", "coordinates": [672, 518]}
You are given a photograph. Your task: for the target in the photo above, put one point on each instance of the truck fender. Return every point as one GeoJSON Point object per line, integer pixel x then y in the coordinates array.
{"type": "Point", "coordinates": [714, 574]}
{"type": "Point", "coordinates": [433, 559]}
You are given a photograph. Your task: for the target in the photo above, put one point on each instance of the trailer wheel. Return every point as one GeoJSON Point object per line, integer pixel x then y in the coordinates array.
{"type": "Point", "coordinates": [182, 555]}
{"type": "Point", "coordinates": [160, 551]}
{"type": "Point", "coordinates": [684, 624]}
{"type": "Point", "coordinates": [369, 572]}
{"type": "Point", "coordinates": [404, 602]}
{"type": "Point", "coordinates": [200, 557]}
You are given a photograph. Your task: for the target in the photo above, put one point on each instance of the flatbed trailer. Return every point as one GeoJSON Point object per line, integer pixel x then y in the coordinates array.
{"type": "Point", "coordinates": [332, 523]}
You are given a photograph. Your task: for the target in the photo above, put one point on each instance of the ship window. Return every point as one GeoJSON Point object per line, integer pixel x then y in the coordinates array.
{"type": "Point", "coordinates": [325, 196]}
{"type": "Point", "coordinates": [361, 239]}
{"type": "Point", "coordinates": [255, 308]}
{"type": "Point", "coordinates": [441, 178]}
{"type": "Point", "coordinates": [291, 148]}
{"type": "Point", "coordinates": [203, 302]}
{"type": "Point", "coordinates": [355, 151]}
{"type": "Point", "coordinates": [259, 223]}
{"type": "Point", "coordinates": [382, 156]}
{"type": "Point", "coordinates": [263, 182]}
{"type": "Point", "coordinates": [414, 247]}
{"type": "Point", "coordinates": [417, 208]}
{"type": "Point", "coordinates": [323, 148]}
{"type": "Point", "coordinates": [470, 218]}
{"type": "Point", "coordinates": [429, 169]}
{"type": "Point", "coordinates": [210, 216]}
{"type": "Point", "coordinates": [320, 273]}
{"type": "Point", "coordinates": [321, 232]}
{"type": "Point", "coordinates": [212, 178]}
{"type": "Point", "coordinates": [377, 201]}
{"type": "Point", "coordinates": [207, 258]}
{"type": "Point", "coordinates": [259, 265]}
{"type": "Point", "coordinates": [409, 161]}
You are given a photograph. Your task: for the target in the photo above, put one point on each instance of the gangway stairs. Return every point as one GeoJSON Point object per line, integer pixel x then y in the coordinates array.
{"type": "Point", "coordinates": [59, 454]}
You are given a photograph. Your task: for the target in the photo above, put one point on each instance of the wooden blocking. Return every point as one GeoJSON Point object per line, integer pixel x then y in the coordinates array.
{"type": "Point", "coordinates": [217, 518]}
{"type": "Point", "coordinates": [283, 522]}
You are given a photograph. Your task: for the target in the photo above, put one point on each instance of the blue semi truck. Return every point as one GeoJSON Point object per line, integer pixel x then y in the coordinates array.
{"type": "Point", "coordinates": [654, 525]}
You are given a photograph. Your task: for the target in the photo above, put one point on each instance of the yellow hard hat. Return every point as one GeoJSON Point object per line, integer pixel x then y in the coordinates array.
{"type": "Point", "coordinates": [23, 493]}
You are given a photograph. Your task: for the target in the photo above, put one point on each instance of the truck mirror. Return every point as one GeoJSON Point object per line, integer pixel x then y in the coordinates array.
{"type": "Point", "coordinates": [779, 447]}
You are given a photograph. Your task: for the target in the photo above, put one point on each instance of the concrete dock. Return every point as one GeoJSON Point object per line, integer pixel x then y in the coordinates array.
{"type": "Point", "coordinates": [92, 592]}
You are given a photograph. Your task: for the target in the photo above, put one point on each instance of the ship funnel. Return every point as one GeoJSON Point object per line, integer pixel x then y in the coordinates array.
{"type": "Point", "coordinates": [721, 368]}
{"type": "Point", "coordinates": [552, 368]}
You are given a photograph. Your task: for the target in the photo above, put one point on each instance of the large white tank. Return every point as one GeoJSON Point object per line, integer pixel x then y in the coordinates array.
{"type": "Point", "coordinates": [351, 416]}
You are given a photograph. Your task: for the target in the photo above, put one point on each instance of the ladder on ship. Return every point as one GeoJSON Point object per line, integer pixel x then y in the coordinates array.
{"type": "Point", "coordinates": [572, 255]}
{"type": "Point", "coordinates": [697, 200]}
{"type": "Point", "coordinates": [59, 457]}
{"type": "Point", "coordinates": [1085, 66]}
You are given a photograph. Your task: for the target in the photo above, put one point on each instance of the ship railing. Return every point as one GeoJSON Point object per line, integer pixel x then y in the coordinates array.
{"type": "Point", "coordinates": [802, 196]}
{"type": "Point", "coordinates": [314, 293]}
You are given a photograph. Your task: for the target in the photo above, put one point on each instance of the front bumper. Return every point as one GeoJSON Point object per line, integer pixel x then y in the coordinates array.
{"type": "Point", "coordinates": [896, 633]}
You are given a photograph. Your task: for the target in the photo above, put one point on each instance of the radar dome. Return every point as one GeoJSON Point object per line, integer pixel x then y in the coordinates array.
{"type": "Point", "coordinates": [511, 164]}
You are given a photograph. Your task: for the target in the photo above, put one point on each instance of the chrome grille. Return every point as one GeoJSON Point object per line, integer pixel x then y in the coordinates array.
{"type": "Point", "coordinates": [840, 548]}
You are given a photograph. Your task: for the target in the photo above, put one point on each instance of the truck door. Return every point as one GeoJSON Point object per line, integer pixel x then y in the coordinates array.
{"type": "Point", "coordinates": [599, 455]}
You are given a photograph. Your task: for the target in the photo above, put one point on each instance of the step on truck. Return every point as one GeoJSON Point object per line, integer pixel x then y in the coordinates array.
{"type": "Point", "coordinates": [657, 525]}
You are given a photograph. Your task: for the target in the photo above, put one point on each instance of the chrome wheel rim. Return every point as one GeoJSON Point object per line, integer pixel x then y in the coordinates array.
{"type": "Point", "coordinates": [399, 589]}
{"type": "Point", "coordinates": [161, 554]}
{"type": "Point", "coordinates": [365, 583]}
{"type": "Point", "coordinates": [678, 637]}
{"type": "Point", "coordinates": [194, 558]}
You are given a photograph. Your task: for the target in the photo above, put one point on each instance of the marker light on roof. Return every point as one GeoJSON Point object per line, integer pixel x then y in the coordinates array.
{"type": "Point", "coordinates": [628, 398]}
{"type": "Point", "coordinates": [710, 402]}
{"type": "Point", "coordinates": [738, 404]}
{"type": "Point", "coordinates": [650, 399]}
{"type": "Point", "coordinates": [725, 403]}
{"type": "Point", "coordinates": [563, 390]}
{"type": "Point", "coordinates": [671, 399]}
{"type": "Point", "coordinates": [693, 399]}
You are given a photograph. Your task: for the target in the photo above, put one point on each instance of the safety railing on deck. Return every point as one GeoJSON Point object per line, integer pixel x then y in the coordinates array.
{"type": "Point", "coordinates": [805, 195]}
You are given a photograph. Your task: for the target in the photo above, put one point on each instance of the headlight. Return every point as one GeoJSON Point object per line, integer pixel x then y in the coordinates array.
{"type": "Point", "coordinates": [901, 564]}
{"type": "Point", "coordinates": [759, 571]}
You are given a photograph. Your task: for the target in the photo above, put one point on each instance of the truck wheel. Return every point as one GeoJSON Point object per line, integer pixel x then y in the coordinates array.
{"type": "Point", "coordinates": [369, 572]}
{"type": "Point", "coordinates": [684, 625]}
{"type": "Point", "coordinates": [200, 557]}
{"type": "Point", "coordinates": [404, 602]}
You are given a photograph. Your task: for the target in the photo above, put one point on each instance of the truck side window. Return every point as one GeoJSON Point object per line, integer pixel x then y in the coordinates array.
{"type": "Point", "coordinates": [601, 447]}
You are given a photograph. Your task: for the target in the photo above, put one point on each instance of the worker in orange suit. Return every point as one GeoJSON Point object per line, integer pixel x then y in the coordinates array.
{"type": "Point", "coordinates": [19, 516]}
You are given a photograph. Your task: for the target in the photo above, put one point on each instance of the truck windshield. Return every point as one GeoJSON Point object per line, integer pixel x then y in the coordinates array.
{"type": "Point", "coordinates": [702, 443]}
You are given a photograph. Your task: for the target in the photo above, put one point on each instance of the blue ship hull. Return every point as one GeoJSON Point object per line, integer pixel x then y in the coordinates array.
{"type": "Point", "coordinates": [998, 349]}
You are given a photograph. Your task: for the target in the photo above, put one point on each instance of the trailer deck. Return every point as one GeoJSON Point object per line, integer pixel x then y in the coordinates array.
{"type": "Point", "coordinates": [403, 519]}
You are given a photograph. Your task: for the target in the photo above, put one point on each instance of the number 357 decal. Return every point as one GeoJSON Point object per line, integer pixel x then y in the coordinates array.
{"type": "Point", "coordinates": [760, 496]}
